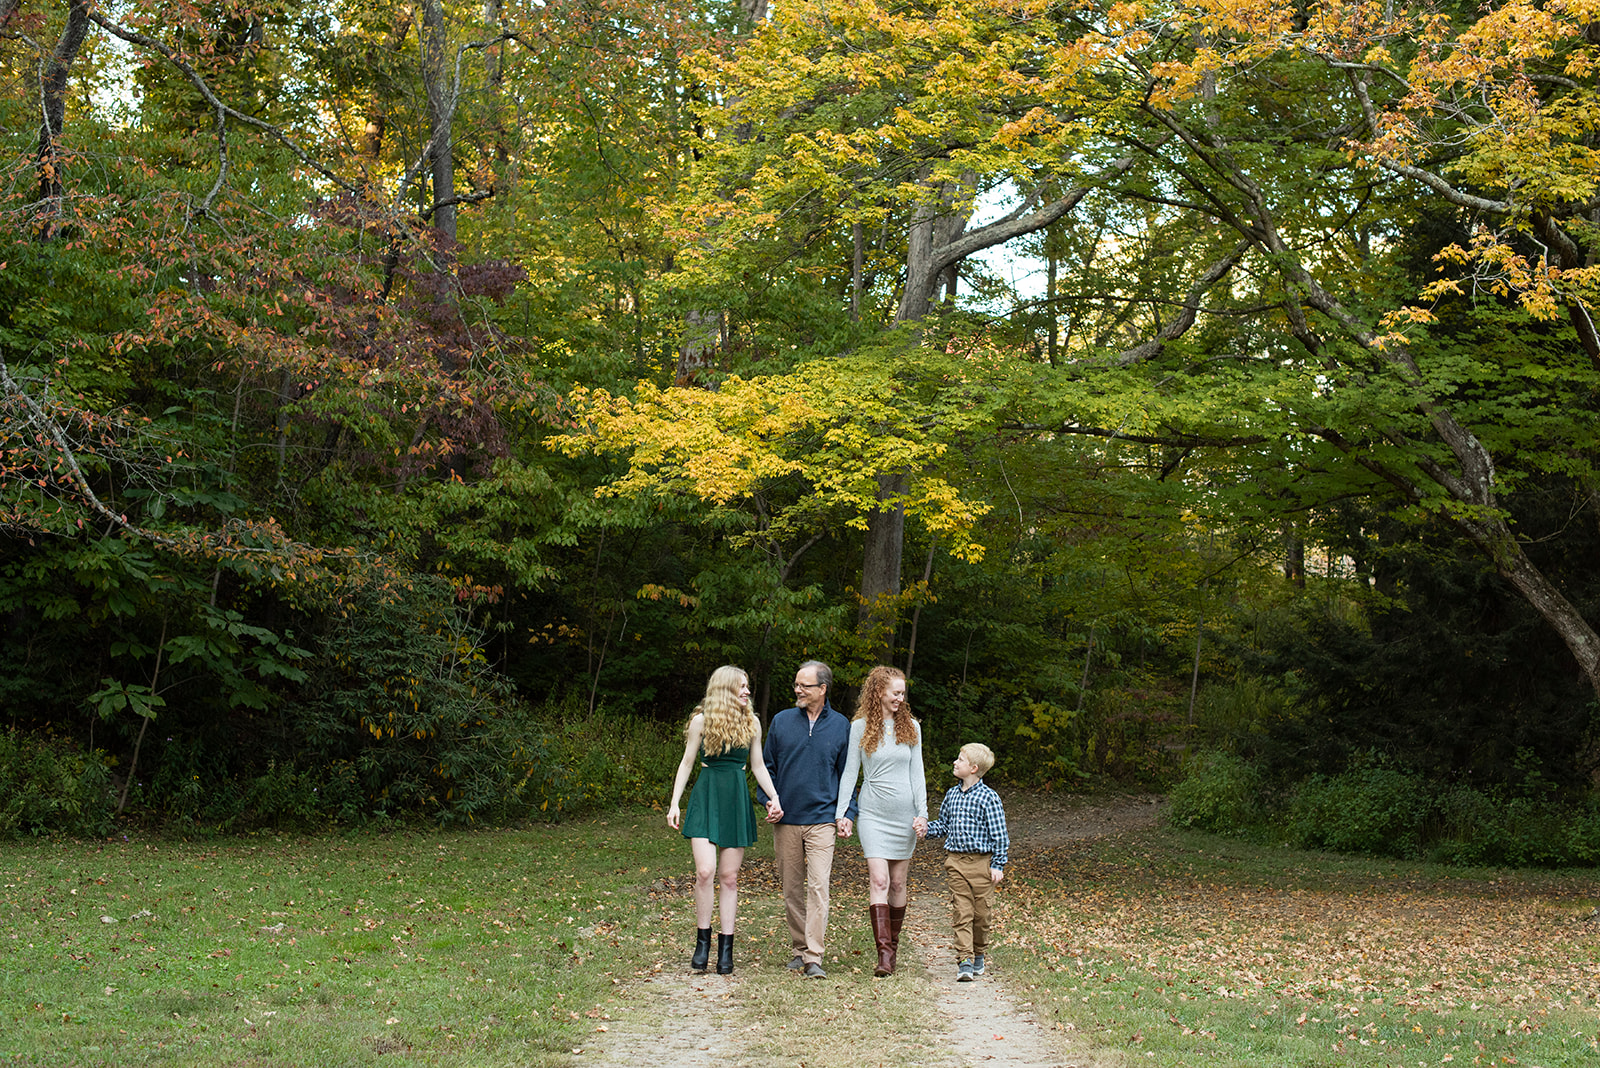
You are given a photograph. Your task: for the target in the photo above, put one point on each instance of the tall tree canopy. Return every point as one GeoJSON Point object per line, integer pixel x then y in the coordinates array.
{"type": "Point", "coordinates": [363, 364]}
{"type": "Point", "coordinates": [1254, 194]}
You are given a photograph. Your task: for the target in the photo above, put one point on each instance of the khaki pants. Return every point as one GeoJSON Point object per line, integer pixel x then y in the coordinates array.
{"type": "Point", "coordinates": [804, 856]}
{"type": "Point", "coordinates": [971, 900]}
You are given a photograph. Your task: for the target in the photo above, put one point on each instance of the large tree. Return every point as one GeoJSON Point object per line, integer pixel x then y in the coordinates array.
{"type": "Point", "coordinates": [1322, 142]}
{"type": "Point", "coordinates": [1292, 157]}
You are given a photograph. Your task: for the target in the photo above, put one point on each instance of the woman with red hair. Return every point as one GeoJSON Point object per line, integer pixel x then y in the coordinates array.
{"type": "Point", "coordinates": [886, 751]}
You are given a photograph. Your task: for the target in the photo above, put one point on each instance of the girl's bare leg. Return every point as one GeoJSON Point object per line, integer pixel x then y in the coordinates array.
{"type": "Point", "coordinates": [705, 874]}
{"type": "Point", "coordinates": [727, 889]}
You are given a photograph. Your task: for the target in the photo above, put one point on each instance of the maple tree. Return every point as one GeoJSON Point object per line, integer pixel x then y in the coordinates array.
{"type": "Point", "coordinates": [855, 118]}
{"type": "Point", "coordinates": [1280, 160]}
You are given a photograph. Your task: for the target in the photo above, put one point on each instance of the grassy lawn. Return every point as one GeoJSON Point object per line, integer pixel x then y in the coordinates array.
{"type": "Point", "coordinates": [1181, 949]}
{"type": "Point", "coordinates": [479, 948]}
{"type": "Point", "coordinates": [514, 947]}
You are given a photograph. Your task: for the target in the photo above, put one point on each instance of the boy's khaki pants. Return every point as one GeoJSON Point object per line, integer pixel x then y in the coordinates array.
{"type": "Point", "coordinates": [971, 900]}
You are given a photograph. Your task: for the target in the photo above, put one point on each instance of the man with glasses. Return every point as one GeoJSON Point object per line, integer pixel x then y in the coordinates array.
{"type": "Point", "coordinates": [805, 754]}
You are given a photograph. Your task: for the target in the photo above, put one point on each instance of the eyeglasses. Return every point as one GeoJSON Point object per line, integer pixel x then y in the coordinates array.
{"type": "Point", "coordinates": [809, 686]}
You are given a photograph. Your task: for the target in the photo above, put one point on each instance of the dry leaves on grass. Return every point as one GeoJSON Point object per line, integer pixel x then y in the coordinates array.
{"type": "Point", "coordinates": [1428, 945]}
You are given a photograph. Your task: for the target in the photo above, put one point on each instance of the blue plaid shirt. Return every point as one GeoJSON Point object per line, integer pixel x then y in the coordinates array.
{"type": "Point", "coordinates": [973, 821]}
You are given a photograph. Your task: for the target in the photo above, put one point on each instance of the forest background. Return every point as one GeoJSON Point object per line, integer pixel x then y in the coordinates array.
{"type": "Point", "coordinates": [404, 407]}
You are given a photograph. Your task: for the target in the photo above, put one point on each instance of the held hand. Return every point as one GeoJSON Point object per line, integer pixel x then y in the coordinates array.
{"type": "Point", "coordinates": [996, 874]}
{"type": "Point", "coordinates": [674, 817]}
{"type": "Point", "coordinates": [920, 825]}
{"type": "Point", "coordinates": [844, 825]}
{"type": "Point", "coordinates": [774, 811]}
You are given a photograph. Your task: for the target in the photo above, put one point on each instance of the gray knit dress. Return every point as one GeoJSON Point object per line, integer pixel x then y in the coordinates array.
{"type": "Point", "coordinates": [894, 791]}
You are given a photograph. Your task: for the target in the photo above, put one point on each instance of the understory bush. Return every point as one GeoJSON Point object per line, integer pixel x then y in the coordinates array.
{"type": "Point", "coordinates": [514, 761]}
{"type": "Point", "coordinates": [1382, 810]}
{"type": "Point", "coordinates": [1376, 810]}
{"type": "Point", "coordinates": [604, 759]}
{"type": "Point", "coordinates": [1222, 795]}
{"type": "Point", "coordinates": [50, 786]}
{"type": "Point", "coordinates": [1523, 832]}
{"type": "Point", "coordinates": [1122, 730]}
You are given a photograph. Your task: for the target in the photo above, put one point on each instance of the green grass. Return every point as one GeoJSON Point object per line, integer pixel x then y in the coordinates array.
{"type": "Point", "coordinates": [1185, 949]}
{"type": "Point", "coordinates": [480, 948]}
{"type": "Point", "coordinates": [514, 947]}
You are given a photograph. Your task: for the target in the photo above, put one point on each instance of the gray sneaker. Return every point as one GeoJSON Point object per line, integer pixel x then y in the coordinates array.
{"type": "Point", "coordinates": [796, 965]}
{"type": "Point", "coordinates": [964, 973]}
{"type": "Point", "coordinates": [977, 964]}
{"type": "Point", "coordinates": [814, 971]}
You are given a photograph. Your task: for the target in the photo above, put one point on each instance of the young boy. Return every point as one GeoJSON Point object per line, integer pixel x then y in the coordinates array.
{"type": "Point", "coordinates": [972, 822]}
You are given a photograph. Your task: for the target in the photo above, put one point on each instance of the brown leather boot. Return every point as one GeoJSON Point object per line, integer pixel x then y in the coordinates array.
{"type": "Point", "coordinates": [880, 935]}
{"type": "Point", "coordinates": [897, 919]}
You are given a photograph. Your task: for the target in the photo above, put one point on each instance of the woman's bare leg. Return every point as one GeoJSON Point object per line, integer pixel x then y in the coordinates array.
{"type": "Point", "coordinates": [896, 872]}
{"type": "Point", "coordinates": [878, 881]}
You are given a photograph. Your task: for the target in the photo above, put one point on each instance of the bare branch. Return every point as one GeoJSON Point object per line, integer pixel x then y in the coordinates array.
{"type": "Point", "coordinates": [1176, 440]}
{"type": "Point", "coordinates": [1190, 308]}
{"type": "Point", "coordinates": [134, 37]}
{"type": "Point", "coordinates": [47, 426]}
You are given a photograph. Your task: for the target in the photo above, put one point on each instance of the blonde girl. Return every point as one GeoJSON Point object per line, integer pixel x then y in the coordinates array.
{"type": "Point", "coordinates": [724, 736]}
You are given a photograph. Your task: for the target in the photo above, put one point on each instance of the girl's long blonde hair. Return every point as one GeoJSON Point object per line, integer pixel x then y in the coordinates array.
{"type": "Point", "coordinates": [870, 709]}
{"type": "Point", "coordinates": [729, 723]}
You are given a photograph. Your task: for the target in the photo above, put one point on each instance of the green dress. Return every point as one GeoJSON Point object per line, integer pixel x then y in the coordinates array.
{"type": "Point", "coordinates": [719, 806]}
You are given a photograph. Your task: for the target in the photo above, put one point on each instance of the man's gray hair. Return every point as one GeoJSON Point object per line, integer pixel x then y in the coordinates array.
{"type": "Point", "coordinates": [824, 674]}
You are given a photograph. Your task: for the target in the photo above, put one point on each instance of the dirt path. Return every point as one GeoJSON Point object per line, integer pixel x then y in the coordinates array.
{"type": "Point", "coordinates": [985, 1024]}
{"type": "Point", "coordinates": [765, 1016]}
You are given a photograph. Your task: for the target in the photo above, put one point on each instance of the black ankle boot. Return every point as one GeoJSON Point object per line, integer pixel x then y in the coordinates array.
{"type": "Point", "coordinates": [702, 949]}
{"type": "Point", "coordinates": [724, 954]}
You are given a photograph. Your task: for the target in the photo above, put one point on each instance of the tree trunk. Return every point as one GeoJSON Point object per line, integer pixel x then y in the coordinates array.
{"type": "Point", "coordinates": [1560, 613]}
{"type": "Point", "coordinates": [916, 613]}
{"type": "Point", "coordinates": [704, 330]}
{"type": "Point", "coordinates": [938, 240]}
{"type": "Point", "coordinates": [1294, 556]}
{"type": "Point", "coordinates": [53, 75]}
{"type": "Point", "coordinates": [880, 569]}
{"type": "Point", "coordinates": [1194, 678]}
{"type": "Point", "coordinates": [1050, 301]}
{"type": "Point", "coordinates": [857, 263]}
{"type": "Point", "coordinates": [935, 225]}
{"type": "Point", "coordinates": [442, 92]}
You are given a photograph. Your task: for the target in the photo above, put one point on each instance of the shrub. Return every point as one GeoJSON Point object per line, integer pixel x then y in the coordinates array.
{"type": "Point", "coordinates": [192, 792]}
{"type": "Point", "coordinates": [1375, 810]}
{"type": "Point", "coordinates": [49, 786]}
{"type": "Point", "coordinates": [599, 759]}
{"type": "Point", "coordinates": [1475, 828]}
{"type": "Point", "coordinates": [1387, 811]}
{"type": "Point", "coordinates": [1221, 795]}
{"type": "Point", "coordinates": [1246, 706]}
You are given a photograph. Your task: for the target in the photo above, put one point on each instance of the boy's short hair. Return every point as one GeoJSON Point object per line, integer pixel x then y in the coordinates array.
{"type": "Point", "coordinates": [979, 756]}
